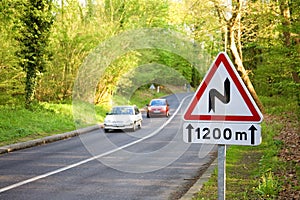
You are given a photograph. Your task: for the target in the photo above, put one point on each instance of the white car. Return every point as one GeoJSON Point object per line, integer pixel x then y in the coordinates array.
{"type": "Point", "coordinates": [123, 117]}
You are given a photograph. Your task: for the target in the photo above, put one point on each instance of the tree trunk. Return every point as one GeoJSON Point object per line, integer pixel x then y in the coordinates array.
{"type": "Point", "coordinates": [30, 87]}
{"type": "Point", "coordinates": [285, 12]}
{"type": "Point", "coordinates": [236, 51]}
{"type": "Point", "coordinates": [287, 35]}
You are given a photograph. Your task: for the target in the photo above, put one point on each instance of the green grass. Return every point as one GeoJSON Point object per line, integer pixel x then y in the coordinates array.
{"type": "Point", "coordinates": [18, 124]}
{"type": "Point", "coordinates": [252, 172]}
{"type": "Point", "coordinates": [240, 178]}
{"type": "Point", "coordinates": [276, 105]}
{"type": "Point", "coordinates": [248, 170]}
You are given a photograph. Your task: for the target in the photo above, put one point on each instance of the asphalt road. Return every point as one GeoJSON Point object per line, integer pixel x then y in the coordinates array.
{"type": "Point", "coordinates": [151, 163]}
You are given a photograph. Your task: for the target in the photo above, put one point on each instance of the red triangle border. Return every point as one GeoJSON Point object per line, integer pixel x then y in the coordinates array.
{"type": "Point", "coordinates": [222, 58]}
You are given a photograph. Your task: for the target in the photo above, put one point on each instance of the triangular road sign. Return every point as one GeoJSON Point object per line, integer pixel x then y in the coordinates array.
{"type": "Point", "coordinates": [222, 96]}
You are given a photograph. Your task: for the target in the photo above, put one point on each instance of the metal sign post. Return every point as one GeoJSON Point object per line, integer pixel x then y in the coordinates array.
{"type": "Point", "coordinates": [221, 171]}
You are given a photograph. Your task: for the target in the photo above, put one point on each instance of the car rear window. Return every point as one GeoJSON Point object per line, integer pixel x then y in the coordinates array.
{"type": "Point", "coordinates": [122, 111]}
{"type": "Point", "coordinates": [158, 103]}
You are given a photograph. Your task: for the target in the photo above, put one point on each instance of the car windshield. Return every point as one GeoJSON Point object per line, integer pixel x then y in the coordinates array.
{"type": "Point", "coordinates": [158, 103]}
{"type": "Point", "coordinates": [122, 111]}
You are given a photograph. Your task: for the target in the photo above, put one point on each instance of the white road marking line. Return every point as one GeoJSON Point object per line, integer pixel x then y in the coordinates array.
{"type": "Point", "coordinates": [92, 158]}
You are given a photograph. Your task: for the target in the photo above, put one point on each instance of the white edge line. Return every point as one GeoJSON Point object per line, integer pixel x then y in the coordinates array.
{"type": "Point", "coordinates": [92, 158]}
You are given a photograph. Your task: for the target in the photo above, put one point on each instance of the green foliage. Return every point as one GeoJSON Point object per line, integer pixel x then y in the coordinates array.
{"type": "Point", "coordinates": [34, 27]}
{"type": "Point", "coordinates": [268, 186]}
{"type": "Point", "coordinates": [272, 62]}
{"type": "Point", "coordinates": [176, 62]}
{"type": "Point", "coordinates": [77, 30]}
{"type": "Point", "coordinates": [74, 34]}
{"type": "Point", "coordinates": [112, 77]}
{"type": "Point", "coordinates": [132, 14]}
{"type": "Point", "coordinates": [201, 21]}
{"type": "Point", "coordinates": [12, 76]}
{"type": "Point", "coordinates": [7, 44]}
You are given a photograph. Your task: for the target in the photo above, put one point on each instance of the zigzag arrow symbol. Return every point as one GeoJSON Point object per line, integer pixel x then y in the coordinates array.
{"type": "Point", "coordinates": [213, 93]}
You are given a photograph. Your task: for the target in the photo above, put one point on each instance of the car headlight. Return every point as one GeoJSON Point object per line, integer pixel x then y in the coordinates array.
{"type": "Point", "coordinates": [129, 122]}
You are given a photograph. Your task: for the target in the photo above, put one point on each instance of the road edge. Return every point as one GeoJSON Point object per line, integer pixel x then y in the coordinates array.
{"type": "Point", "coordinates": [190, 194]}
{"type": "Point", "coordinates": [48, 139]}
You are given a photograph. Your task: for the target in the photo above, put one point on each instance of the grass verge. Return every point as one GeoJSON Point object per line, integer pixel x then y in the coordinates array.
{"type": "Point", "coordinates": [18, 124]}
{"type": "Point", "coordinates": [261, 172]}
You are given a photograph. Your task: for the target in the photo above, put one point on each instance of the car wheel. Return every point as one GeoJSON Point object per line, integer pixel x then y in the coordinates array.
{"type": "Point", "coordinates": [106, 130]}
{"type": "Point", "coordinates": [133, 127]}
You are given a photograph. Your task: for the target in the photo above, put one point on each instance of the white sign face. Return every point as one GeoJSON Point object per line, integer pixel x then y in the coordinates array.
{"type": "Point", "coordinates": [222, 133]}
{"type": "Point", "coordinates": [223, 97]}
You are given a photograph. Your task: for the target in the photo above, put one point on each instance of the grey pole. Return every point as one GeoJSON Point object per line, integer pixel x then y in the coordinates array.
{"type": "Point", "coordinates": [221, 171]}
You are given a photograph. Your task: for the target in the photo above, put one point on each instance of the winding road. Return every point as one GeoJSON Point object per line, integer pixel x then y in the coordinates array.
{"type": "Point", "coordinates": [150, 163]}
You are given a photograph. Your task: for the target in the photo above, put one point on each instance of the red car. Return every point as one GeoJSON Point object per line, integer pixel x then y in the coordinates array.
{"type": "Point", "coordinates": [158, 107]}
